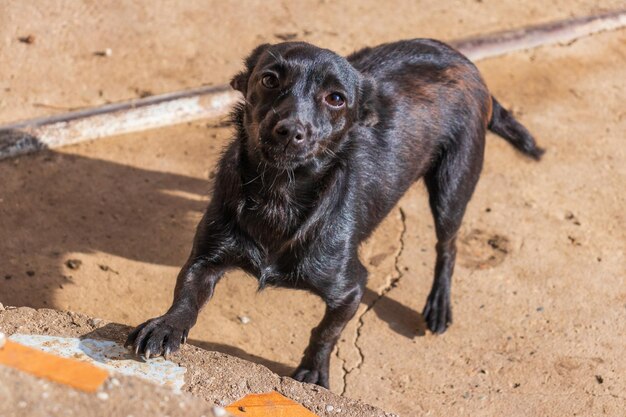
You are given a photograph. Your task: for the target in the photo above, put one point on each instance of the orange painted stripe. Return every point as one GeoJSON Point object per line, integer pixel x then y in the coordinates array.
{"type": "Point", "coordinates": [271, 404]}
{"type": "Point", "coordinates": [80, 375]}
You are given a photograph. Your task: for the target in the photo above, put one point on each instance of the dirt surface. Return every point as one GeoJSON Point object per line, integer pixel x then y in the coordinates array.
{"type": "Point", "coordinates": [217, 378]}
{"type": "Point", "coordinates": [538, 298]}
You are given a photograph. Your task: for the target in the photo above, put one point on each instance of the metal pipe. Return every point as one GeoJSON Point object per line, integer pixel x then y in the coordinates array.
{"type": "Point", "coordinates": [210, 102]}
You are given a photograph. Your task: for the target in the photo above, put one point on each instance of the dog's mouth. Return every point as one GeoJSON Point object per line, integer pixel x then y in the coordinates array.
{"type": "Point", "coordinates": [280, 157]}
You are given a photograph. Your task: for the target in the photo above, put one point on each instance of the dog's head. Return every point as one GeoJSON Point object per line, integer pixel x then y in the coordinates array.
{"type": "Point", "coordinates": [300, 101]}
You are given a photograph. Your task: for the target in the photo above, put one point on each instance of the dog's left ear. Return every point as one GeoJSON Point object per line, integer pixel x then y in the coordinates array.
{"type": "Point", "coordinates": [368, 102]}
{"type": "Point", "coordinates": [240, 81]}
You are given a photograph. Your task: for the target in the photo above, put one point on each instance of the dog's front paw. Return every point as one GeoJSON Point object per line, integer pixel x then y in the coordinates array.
{"type": "Point", "coordinates": [437, 313]}
{"type": "Point", "coordinates": [312, 376]}
{"type": "Point", "coordinates": [159, 336]}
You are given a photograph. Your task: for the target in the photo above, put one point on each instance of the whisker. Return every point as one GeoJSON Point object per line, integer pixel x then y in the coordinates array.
{"type": "Point", "coordinates": [273, 182]}
{"type": "Point", "coordinates": [331, 153]}
{"type": "Point", "coordinates": [246, 102]}
{"type": "Point", "coordinates": [263, 175]}
{"type": "Point", "coordinates": [292, 177]}
{"type": "Point", "coordinates": [252, 180]}
{"type": "Point", "coordinates": [276, 58]}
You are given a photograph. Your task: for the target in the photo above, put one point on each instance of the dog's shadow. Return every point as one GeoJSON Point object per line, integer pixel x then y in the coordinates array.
{"type": "Point", "coordinates": [400, 318]}
{"type": "Point", "coordinates": [113, 336]}
{"type": "Point", "coordinates": [54, 204]}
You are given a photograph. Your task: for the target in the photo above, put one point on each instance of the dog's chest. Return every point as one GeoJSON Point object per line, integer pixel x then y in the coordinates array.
{"type": "Point", "coordinates": [269, 219]}
{"type": "Point", "coordinates": [271, 227]}
{"type": "Point", "coordinates": [269, 223]}
{"type": "Point", "coordinates": [271, 213]}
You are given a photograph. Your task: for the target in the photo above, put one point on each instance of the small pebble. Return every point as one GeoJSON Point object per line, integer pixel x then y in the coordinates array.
{"type": "Point", "coordinates": [22, 404]}
{"type": "Point", "coordinates": [103, 396]}
{"type": "Point", "coordinates": [218, 411]}
{"type": "Point", "coordinates": [1, 307]}
{"type": "Point", "coordinates": [3, 340]}
{"type": "Point", "coordinates": [30, 39]}
{"type": "Point", "coordinates": [73, 263]}
{"type": "Point", "coordinates": [286, 36]}
{"type": "Point", "coordinates": [107, 52]}
{"type": "Point", "coordinates": [329, 408]}
{"type": "Point", "coordinates": [244, 319]}
{"type": "Point", "coordinates": [113, 382]}
{"type": "Point", "coordinates": [95, 322]}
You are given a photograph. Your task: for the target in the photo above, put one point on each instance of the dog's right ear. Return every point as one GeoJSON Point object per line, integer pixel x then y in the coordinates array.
{"type": "Point", "coordinates": [240, 81]}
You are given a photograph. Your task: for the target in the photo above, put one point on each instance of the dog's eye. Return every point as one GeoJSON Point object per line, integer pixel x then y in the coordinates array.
{"type": "Point", "coordinates": [270, 81]}
{"type": "Point", "coordinates": [335, 100]}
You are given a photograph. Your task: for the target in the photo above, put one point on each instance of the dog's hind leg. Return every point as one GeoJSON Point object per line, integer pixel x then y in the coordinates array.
{"type": "Point", "coordinates": [450, 185]}
{"type": "Point", "coordinates": [314, 367]}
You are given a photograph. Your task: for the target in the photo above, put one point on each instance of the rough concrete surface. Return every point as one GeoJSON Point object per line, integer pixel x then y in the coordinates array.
{"type": "Point", "coordinates": [539, 297]}
{"type": "Point", "coordinates": [217, 378]}
{"type": "Point", "coordinates": [25, 395]}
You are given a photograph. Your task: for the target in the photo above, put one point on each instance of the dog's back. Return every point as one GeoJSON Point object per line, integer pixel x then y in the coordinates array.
{"type": "Point", "coordinates": [439, 92]}
{"type": "Point", "coordinates": [430, 98]}
{"type": "Point", "coordinates": [436, 90]}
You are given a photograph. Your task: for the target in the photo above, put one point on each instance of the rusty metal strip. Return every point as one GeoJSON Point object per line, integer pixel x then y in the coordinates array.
{"type": "Point", "coordinates": [80, 375]}
{"type": "Point", "coordinates": [271, 404]}
{"type": "Point", "coordinates": [209, 102]}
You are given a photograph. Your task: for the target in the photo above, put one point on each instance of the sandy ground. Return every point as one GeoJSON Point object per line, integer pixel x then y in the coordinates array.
{"type": "Point", "coordinates": [166, 45]}
{"type": "Point", "coordinates": [539, 295]}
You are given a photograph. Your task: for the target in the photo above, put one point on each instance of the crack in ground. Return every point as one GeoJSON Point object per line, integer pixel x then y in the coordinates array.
{"type": "Point", "coordinates": [344, 369]}
{"type": "Point", "coordinates": [391, 284]}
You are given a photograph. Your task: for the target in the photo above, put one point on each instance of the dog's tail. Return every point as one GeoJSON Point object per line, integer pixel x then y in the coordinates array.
{"type": "Point", "coordinates": [504, 124]}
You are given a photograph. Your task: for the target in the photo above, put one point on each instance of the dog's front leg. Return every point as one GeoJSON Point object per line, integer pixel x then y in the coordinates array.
{"type": "Point", "coordinates": [163, 335]}
{"type": "Point", "coordinates": [314, 367]}
{"type": "Point", "coordinates": [209, 259]}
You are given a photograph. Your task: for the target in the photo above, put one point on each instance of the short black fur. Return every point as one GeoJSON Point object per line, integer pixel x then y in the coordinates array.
{"type": "Point", "coordinates": [324, 148]}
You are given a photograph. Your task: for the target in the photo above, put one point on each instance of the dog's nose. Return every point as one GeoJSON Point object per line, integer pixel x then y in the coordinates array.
{"type": "Point", "coordinates": [289, 130]}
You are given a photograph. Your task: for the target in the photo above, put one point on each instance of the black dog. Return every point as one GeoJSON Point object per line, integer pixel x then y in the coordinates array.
{"type": "Point", "coordinates": [325, 147]}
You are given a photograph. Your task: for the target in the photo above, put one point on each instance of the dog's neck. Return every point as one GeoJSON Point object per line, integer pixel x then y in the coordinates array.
{"type": "Point", "coordinates": [279, 198]}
